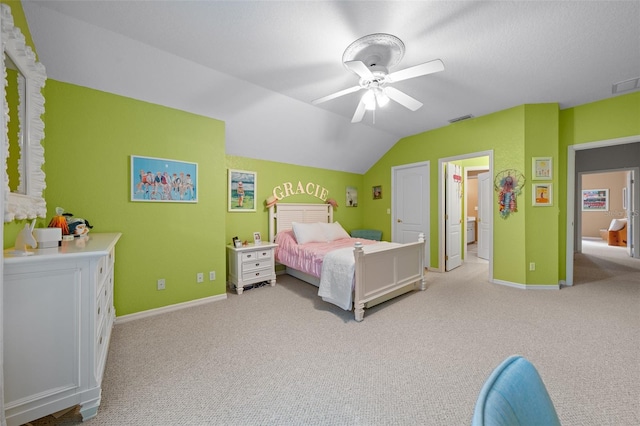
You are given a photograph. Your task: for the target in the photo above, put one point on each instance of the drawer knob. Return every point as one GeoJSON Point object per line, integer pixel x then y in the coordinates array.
{"type": "Point", "coordinates": [257, 274]}
{"type": "Point", "coordinates": [257, 264]}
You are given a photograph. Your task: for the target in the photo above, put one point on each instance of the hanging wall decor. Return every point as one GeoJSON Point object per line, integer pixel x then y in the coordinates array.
{"type": "Point", "coordinates": [508, 184]}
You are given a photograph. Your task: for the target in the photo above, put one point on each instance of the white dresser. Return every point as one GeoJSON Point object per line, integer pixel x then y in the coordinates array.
{"type": "Point", "coordinates": [58, 315]}
{"type": "Point", "coordinates": [251, 264]}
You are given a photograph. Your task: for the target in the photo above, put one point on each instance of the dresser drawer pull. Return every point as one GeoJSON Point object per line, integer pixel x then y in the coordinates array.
{"type": "Point", "coordinates": [249, 255]}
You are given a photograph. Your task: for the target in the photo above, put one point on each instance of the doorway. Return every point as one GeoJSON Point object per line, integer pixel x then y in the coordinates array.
{"type": "Point", "coordinates": [483, 159]}
{"type": "Point", "coordinates": [609, 154]}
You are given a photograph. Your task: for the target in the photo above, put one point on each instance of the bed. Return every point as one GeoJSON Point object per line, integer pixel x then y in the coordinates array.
{"type": "Point", "coordinates": [375, 271]}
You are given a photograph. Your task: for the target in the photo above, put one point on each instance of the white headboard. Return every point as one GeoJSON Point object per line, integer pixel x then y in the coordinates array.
{"type": "Point", "coordinates": [281, 215]}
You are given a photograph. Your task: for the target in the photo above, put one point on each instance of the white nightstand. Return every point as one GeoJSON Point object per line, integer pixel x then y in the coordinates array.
{"type": "Point", "coordinates": [251, 264]}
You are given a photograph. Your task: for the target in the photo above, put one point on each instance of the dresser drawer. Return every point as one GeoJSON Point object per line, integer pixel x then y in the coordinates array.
{"type": "Point", "coordinates": [102, 269]}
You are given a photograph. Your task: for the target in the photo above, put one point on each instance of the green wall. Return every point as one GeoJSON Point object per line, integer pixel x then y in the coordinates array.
{"type": "Point", "coordinates": [90, 138]}
{"type": "Point", "coordinates": [271, 175]}
{"type": "Point", "coordinates": [611, 118]}
{"type": "Point", "coordinates": [541, 225]}
{"type": "Point", "coordinates": [502, 132]}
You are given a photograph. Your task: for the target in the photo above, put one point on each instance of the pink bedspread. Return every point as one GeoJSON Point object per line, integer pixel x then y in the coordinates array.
{"type": "Point", "coordinates": [308, 257]}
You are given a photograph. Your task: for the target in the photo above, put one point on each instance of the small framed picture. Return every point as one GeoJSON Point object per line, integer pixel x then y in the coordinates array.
{"type": "Point", "coordinates": [257, 239]}
{"type": "Point", "coordinates": [237, 242]}
{"type": "Point", "coordinates": [352, 196]}
{"type": "Point", "coordinates": [242, 190]}
{"type": "Point", "coordinates": [377, 192]}
{"type": "Point", "coordinates": [542, 168]}
{"type": "Point", "coordinates": [542, 194]}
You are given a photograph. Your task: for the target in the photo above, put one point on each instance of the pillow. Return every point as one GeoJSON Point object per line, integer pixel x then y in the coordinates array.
{"type": "Point", "coordinates": [617, 224]}
{"type": "Point", "coordinates": [308, 232]}
{"type": "Point", "coordinates": [334, 231]}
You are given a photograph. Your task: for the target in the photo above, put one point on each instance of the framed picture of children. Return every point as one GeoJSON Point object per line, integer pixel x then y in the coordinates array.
{"type": "Point", "coordinates": [242, 191]}
{"type": "Point", "coordinates": [164, 181]}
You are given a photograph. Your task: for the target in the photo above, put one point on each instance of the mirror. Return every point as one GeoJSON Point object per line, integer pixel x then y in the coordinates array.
{"type": "Point", "coordinates": [22, 125]}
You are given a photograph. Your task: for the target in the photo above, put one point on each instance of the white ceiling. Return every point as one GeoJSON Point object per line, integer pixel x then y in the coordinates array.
{"type": "Point", "coordinates": [257, 65]}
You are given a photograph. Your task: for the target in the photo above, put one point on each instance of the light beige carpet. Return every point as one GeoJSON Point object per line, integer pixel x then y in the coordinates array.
{"type": "Point", "coordinates": [281, 356]}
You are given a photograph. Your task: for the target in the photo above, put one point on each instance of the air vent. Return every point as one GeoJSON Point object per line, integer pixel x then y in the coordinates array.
{"type": "Point", "coordinates": [625, 86]}
{"type": "Point", "coordinates": [464, 117]}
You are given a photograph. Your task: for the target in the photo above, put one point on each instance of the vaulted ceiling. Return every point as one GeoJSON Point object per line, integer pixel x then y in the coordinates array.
{"type": "Point", "coordinates": [258, 65]}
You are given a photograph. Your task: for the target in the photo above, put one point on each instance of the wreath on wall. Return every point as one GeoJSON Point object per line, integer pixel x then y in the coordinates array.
{"type": "Point", "coordinates": [508, 184]}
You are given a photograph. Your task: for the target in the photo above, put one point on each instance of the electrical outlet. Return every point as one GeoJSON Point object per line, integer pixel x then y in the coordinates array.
{"type": "Point", "coordinates": [161, 284]}
{"type": "Point", "coordinates": [532, 266]}
{"type": "Point", "coordinates": [212, 275]}
{"type": "Point", "coordinates": [200, 277]}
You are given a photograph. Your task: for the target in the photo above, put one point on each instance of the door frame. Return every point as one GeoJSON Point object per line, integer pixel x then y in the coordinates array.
{"type": "Point", "coordinates": [441, 206]}
{"type": "Point", "coordinates": [426, 213]}
{"type": "Point", "coordinates": [466, 192]}
{"type": "Point", "coordinates": [571, 197]}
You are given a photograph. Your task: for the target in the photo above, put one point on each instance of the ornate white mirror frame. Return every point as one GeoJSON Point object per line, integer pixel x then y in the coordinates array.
{"type": "Point", "coordinates": [29, 203]}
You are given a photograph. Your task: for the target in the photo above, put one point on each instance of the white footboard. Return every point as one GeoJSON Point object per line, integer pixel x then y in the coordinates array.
{"type": "Point", "coordinates": [379, 273]}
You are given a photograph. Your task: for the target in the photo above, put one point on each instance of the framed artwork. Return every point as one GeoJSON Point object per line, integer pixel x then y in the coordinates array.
{"type": "Point", "coordinates": [542, 168]}
{"type": "Point", "coordinates": [542, 194]}
{"type": "Point", "coordinates": [257, 239]}
{"type": "Point", "coordinates": [162, 180]}
{"type": "Point", "coordinates": [595, 200]}
{"type": "Point", "coordinates": [352, 196]}
{"type": "Point", "coordinates": [377, 192]}
{"type": "Point", "coordinates": [242, 191]}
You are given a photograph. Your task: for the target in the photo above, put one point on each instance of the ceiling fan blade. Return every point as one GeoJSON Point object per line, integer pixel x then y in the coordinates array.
{"type": "Point", "coordinates": [357, 117]}
{"type": "Point", "coordinates": [416, 71]}
{"type": "Point", "coordinates": [402, 98]}
{"type": "Point", "coordinates": [360, 68]}
{"type": "Point", "coordinates": [336, 95]}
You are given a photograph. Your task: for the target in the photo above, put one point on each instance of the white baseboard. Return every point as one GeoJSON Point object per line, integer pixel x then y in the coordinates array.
{"type": "Point", "coordinates": [170, 308]}
{"type": "Point", "coordinates": [528, 286]}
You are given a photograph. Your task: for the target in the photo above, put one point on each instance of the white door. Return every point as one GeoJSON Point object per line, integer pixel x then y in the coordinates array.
{"type": "Point", "coordinates": [484, 214]}
{"type": "Point", "coordinates": [411, 204]}
{"type": "Point", "coordinates": [453, 216]}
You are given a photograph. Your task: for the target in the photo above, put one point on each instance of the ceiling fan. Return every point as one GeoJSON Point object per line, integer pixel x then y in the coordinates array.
{"type": "Point", "coordinates": [370, 57]}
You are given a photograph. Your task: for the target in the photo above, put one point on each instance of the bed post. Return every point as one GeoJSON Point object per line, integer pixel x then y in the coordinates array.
{"type": "Point", "coordinates": [272, 224]}
{"type": "Point", "coordinates": [423, 281]}
{"type": "Point", "coordinates": [358, 307]}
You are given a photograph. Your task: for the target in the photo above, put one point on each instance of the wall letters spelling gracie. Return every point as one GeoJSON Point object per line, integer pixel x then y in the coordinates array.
{"type": "Point", "coordinates": [287, 189]}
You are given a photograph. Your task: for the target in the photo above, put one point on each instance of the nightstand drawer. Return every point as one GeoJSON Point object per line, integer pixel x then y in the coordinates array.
{"type": "Point", "coordinates": [258, 273]}
{"type": "Point", "coordinates": [257, 264]}
{"type": "Point", "coordinates": [258, 254]}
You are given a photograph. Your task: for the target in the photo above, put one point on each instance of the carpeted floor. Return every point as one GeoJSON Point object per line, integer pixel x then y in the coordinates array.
{"type": "Point", "coordinates": [281, 356]}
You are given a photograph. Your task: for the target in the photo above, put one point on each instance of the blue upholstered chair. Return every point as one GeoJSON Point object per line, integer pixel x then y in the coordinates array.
{"type": "Point", "coordinates": [369, 234]}
{"type": "Point", "coordinates": [514, 394]}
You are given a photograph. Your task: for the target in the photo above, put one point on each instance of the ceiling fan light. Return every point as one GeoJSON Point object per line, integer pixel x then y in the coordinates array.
{"type": "Point", "coordinates": [381, 98]}
{"type": "Point", "coordinates": [369, 100]}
